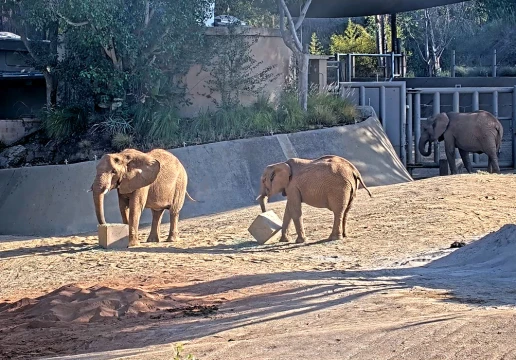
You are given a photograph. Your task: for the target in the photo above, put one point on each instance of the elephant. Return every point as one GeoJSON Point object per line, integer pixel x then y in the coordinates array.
{"type": "Point", "coordinates": [156, 180]}
{"type": "Point", "coordinates": [477, 132]}
{"type": "Point", "coordinates": [329, 182]}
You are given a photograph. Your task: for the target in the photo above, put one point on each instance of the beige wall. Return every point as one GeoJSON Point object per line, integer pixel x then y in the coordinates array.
{"type": "Point", "coordinates": [269, 48]}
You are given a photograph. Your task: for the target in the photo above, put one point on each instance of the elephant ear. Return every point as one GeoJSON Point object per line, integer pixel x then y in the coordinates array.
{"type": "Point", "coordinates": [142, 170]}
{"type": "Point", "coordinates": [280, 178]}
{"type": "Point", "coordinates": [440, 124]}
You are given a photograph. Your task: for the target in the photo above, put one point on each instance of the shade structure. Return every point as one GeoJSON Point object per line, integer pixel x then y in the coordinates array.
{"type": "Point", "coordinates": [356, 8]}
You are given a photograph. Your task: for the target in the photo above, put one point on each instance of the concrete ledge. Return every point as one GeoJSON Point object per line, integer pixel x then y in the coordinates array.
{"type": "Point", "coordinates": [53, 200]}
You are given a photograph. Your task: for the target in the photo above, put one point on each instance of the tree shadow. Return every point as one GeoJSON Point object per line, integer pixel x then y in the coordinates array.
{"type": "Point", "coordinates": [47, 250]}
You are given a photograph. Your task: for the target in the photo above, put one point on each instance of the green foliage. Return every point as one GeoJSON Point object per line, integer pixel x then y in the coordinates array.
{"type": "Point", "coordinates": [234, 70]}
{"type": "Point", "coordinates": [356, 39]}
{"type": "Point", "coordinates": [315, 46]}
{"type": "Point", "coordinates": [121, 141]}
{"type": "Point", "coordinates": [62, 123]}
{"type": "Point", "coordinates": [178, 354]}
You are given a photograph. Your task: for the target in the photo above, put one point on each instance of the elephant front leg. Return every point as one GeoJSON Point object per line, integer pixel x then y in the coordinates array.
{"type": "Point", "coordinates": [156, 220]}
{"type": "Point", "coordinates": [123, 204]}
{"type": "Point", "coordinates": [466, 160]}
{"type": "Point", "coordinates": [136, 205]}
{"type": "Point", "coordinates": [450, 156]}
{"type": "Point", "coordinates": [287, 219]}
{"type": "Point", "coordinates": [294, 208]}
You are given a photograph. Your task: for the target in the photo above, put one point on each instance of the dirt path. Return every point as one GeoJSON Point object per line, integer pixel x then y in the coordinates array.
{"type": "Point", "coordinates": [364, 298]}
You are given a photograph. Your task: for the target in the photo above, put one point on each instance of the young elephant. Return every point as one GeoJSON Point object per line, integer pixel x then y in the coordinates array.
{"type": "Point", "coordinates": [329, 182]}
{"type": "Point", "coordinates": [155, 180]}
{"type": "Point", "coordinates": [477, 132]}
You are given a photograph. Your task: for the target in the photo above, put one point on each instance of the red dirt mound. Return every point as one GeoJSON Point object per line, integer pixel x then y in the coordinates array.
{"type": "Point", "coordinates": [75, 304]}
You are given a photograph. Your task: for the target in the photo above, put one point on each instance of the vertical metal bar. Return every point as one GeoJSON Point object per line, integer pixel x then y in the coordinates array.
{"type": "Point", "coordinates": [495, 66]}
{"type": "Point", "coordinates": [383, 106]}
{"type": "Point", "coordinates": [349, 68]}
{"type": "Point", "coordinates": [410, 131]}
{"type": "Point", "coordinates": [453, 64]}
{"type": "Point", "coordinates": [353, 66]}
{"type": "Point", "coordinates": [362, 96]}
{"type": "Point", "coordinates": [339, 68]}
{"type": "Point", "coordinates": [456, 101]}
{"type": "Point", "coordinates": [417, 125]}
{"type": "Point", "coordinates": [403, 128]}
{"type": "Point", "coordinates": [495, 103]}
{"type": "Point", "coordinates": [475, 107]}
{"type": "Point", "coordinates": [436, 110]}
{"type": "Point", "coordinates": [392, 64]}
{"type": "Point", "coordinates": [513, 130]}
{"type": "Point", "coordinates": [456, 108]}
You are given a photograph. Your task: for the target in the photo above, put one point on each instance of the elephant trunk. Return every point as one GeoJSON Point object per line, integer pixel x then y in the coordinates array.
{"type": "Point", "coordinates": [99, 189]}
{"type": "Point", "coordinates": [263, 200]}
{"type": "Point", "coordinates": [422, 143]}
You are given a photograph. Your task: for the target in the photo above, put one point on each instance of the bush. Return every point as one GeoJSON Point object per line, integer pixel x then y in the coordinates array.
{"type": "Point", "coordinates": [484, 71]}
{"type": "Point", "coordinates": [121, 141]}
{"type": "Point", "coordinates": [63, 123]}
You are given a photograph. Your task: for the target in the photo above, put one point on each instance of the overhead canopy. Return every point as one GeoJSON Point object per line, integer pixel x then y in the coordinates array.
{"type": "Point", "coordinates": [356, 8]}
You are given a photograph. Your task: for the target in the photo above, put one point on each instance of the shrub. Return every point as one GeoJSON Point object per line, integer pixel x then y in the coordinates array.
{"type": "Point", "coordinates": [62, 123]}
{"type": "Point", "coordinates": [121, 141]}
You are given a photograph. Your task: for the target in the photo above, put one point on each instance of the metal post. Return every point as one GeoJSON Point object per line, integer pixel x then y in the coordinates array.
{"type": "Point", "coordinates": [456, 97]}
{"type": "Point", "coordinates": [453, 64]}
{"type": "Point", "coordinates": [475, 107]}
{"type": "Point", "coordinates": [410, 139]}
{"type": "Point", "coordinates": [513, 130]}
{"type": "Point", "coordinates": [437, 110]}
{"type": "Point", "coordinates": [392, 65]}
{"type": "Point", "coordinates": [417, 125]}
{"type": "Point", "coordinates": [383, 108]}
{"type": "Point", "coordinates": [495, 66]}
{"type": "Point", "coordinates": [404, 57]}
{"type": "Point", "coordinates": [349, 71]}
{"type": "Point", "coordinates": [362, 96]}
{"type": "Point", "coordinates": [495, 103]}
{"type": "Point", "coordinates": [403, 130]}
{"type": "Point", "coordinates": [353, 67]}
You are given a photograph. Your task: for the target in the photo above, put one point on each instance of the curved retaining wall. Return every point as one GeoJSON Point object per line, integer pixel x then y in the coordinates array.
{"type": "Point", "coordinates": [53, 200]}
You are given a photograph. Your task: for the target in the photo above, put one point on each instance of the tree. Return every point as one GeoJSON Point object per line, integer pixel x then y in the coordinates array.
{"type": "Point", "coordinates": [233, 69]}
{"type": "Point", "coordinates": [355, 39]}
{"type": "Point", "coordinates": [315, 46]}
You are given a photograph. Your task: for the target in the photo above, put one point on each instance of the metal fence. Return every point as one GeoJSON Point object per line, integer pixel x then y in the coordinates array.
{"type": "Point", "coordinates": [345, 67]}
{"type": "Point", "coordinates": [403, 112]}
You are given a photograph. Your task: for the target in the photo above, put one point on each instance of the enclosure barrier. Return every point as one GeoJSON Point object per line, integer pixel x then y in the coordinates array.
{"type": "Point", "coordinates": [397, 65]}
{"type": "Point", "coordinates": [414, 118]}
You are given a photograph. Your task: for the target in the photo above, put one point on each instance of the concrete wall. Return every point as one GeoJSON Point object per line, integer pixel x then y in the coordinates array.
{"type": "Point", "coordinates": [13, 130]}
{"type": "Point", "coordinates": [52, 200]}
{"type": "Point", "coordinates": [269, 49]}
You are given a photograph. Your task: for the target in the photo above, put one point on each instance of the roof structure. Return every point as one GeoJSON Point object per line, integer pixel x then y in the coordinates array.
{"type": "Point", "coordinates": [356, 8]}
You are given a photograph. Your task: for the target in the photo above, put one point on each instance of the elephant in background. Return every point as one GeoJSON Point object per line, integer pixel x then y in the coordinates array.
{"type": "Point", "coordinates": [156, 180]}
{"type": "Point", "coordinates": [477, 132]}
{"type": "Point", "coordinates": [329, 182]}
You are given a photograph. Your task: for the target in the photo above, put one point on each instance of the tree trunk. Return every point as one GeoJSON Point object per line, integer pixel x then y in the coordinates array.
{"type": "Point", "coordinates": [303, 64]}
{"type": "Point", "coordinates": [51, 89]}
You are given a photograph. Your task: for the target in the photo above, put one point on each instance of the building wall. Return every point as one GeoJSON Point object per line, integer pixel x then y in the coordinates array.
{"type": "Point", "coordinates": [269, 48]}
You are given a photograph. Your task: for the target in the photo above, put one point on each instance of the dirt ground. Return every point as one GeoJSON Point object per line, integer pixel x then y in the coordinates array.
{"type": "Point", "coordinates": [392, 290]}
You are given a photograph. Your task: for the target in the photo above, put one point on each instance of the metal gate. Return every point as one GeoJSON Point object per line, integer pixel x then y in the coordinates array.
{"type": "Point", "coordinates": [425, 102]}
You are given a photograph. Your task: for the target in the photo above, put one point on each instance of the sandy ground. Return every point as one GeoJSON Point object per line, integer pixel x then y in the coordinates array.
{"type": "Point", "coordinates": [392, 290]}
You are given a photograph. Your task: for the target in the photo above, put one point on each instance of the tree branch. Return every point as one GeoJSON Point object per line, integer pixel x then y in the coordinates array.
{"type": "Point", "coordinates": [292, 26]}
{"type": "Point", "coordinates": [302, 15]}
{"type": "Point", "coordinates": [286, 37]}
{"type": "Point", "coordinates": [70, 22]}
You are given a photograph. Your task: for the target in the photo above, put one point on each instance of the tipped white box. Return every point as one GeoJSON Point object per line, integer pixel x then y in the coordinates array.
{"type": "Point", "coordinates": [113, 236]}
{"type": "Point", "coordinates": [266, 227]}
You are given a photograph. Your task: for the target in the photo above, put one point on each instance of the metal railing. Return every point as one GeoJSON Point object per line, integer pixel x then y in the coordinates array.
{"type": "Point", "coordinates": [393, 65]}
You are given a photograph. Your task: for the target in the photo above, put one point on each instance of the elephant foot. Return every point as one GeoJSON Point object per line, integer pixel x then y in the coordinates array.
{"type": "Point", "coordinates": [134, 243]}
{"type": "Point", "coordinates": [336, 237]}
{"type": "Point", "coordinates": [300, 240]}
{"type": "Point", "coordinates": [153, 239]}
{"type": "Point", "coordinates": [284, 239]}
{"type": "Point", "coordinates": [173, 238]}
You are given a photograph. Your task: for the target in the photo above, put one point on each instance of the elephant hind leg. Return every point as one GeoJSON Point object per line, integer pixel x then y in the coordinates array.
{"type": "Point", "coordinates": [173, 234]}
{"type": "Point", "coordinates": [493, 166]}
{"type": "Point", "coordinates": [345, 217]}
{"type": "Point", "coordinates": [156, 220]}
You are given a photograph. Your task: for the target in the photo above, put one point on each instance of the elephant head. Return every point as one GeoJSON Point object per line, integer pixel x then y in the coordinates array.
{"type": "Point", "coordinates": [433, 132]}
{"type": "Point", "coordinates": [126, 171]}
{"type": "Point", "coordinates": [275, 179]}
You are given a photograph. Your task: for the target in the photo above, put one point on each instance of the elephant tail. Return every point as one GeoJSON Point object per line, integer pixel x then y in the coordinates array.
{"type": "Point", "coordinates": [359, 178]}
{"type": "Point", "coordinates": [189, 197]}
{"type": "Point", "coordinates": [499, 136]}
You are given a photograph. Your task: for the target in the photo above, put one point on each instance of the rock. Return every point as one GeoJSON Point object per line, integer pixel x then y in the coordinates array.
{"type": "Point", "coordinates": [13, 156]}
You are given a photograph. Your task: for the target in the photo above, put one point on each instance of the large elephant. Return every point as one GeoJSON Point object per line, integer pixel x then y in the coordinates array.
{"type": "Point", "coordinates": [329, 182]}
{"type": "Point", "coordinates": [477, 132]}
{"type": "Point", "coordinates": [155, 180]}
